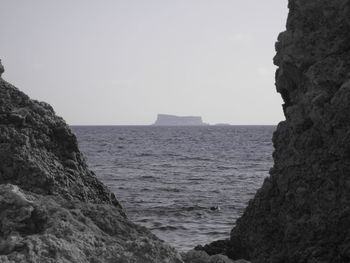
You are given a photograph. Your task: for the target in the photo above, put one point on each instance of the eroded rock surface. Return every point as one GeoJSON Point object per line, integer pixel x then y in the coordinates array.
{"type": "Point", "coordinates": [200, 256]}
{"type": "Point", "coordinates": [39, 153]}
{"type": "Point", "coordinates": [52, 207]}
{"type": "Point", "coordinates": [302, 211]}
{"type": "Point", "coordinates": [2, 70]}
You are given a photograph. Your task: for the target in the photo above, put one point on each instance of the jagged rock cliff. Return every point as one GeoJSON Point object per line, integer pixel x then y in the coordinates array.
{"type": "Point", "coordinates": [302, 211]}
{"type": "Point", "coordinates": [52, 207]}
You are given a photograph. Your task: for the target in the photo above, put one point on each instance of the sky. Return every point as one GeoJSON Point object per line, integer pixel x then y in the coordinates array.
{"type": "Point", "coordinates": [121, 62]}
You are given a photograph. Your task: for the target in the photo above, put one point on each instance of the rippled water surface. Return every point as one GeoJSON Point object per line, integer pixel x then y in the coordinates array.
{"type": "Point", "coordinates": [169, 178]}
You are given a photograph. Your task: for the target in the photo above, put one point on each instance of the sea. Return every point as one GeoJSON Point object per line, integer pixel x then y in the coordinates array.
{"type": "Point", "coordinates": [188, 185]}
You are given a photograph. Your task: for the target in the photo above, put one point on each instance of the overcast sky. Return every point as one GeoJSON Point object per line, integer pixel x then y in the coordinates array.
{"type": "Point", "coordinates": [123, 61]}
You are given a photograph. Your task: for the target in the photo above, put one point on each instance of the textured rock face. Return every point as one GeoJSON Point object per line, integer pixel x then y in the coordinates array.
{"type": "Point", "coordinates": [199, 256]}
{"type": "Point", "coordinates": [52, 207]}
{"type": "Point", "coordinates": [39, 153]}
{"type": "Point", "coordinates": [302, 211]}
{"type": "Point", "coordinates": [2, 70]}
{"type": "Point", "coordinates": [50, 229]}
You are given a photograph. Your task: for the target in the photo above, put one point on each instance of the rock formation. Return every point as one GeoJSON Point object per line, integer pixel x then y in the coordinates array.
{"type": "Point", "coordinates": [171, 120]}
{"type": "Point", "coordinates": [302, 211]}
{"type": "Point", "coordinates": [53, 208]}
{"type": "Point", "coordinates": [2, 70]}
{"type": "Point", "coordinates": [200, 256]}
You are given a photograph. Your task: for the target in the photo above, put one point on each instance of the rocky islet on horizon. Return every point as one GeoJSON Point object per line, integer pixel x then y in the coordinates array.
{"type": "Point", "coordinates": [173, 120]}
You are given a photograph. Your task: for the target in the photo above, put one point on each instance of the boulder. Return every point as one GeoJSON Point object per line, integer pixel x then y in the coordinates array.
{"type": "Point", "coordinates": [200, 256]}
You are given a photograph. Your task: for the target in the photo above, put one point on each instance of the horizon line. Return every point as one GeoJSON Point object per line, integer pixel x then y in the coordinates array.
{"type": "Point", "coordinates": [173, 125]}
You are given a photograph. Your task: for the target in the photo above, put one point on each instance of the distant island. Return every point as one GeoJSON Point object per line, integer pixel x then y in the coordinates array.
{"type": "Point", "coordinates": [172, 120]}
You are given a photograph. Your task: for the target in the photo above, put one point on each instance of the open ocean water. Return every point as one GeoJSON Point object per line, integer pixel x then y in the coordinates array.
{"type": "Point", "coordinates": [170, 179]}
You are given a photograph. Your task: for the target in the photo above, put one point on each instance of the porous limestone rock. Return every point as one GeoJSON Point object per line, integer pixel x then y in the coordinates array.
{"type": "Point", "coordinates": [302, 212]}
{"type": "Point", "coordinates": [200, 256]}
{"type": "Point", "coordinates": [39, 153]}
{"type": "Point", "coordinates": [52, 207]}
{"type": "Point", "coordinates": [2, 70]}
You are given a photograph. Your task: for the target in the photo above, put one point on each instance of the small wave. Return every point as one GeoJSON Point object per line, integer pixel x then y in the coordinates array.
{"type": "Point", "coordinates": [195, 159]}
{"type": "Point", "coordinates": [144, 154]}
{"type": "Point", "coordinates": [214, 233]}
{"type": "Point", "coordinates": [195, 179]}
{"type": "Point", "coordinates": [169, 228]}
{"type": "Point", "coordinates": [172, 155]}
{"type": "Point", "coordinates": [224, 167]}
{"type": "Point", "coordinates": [166, 165]}
{"type": "Point", "coordinates": [144, 220]}
{"type": "Point", "coordinates": [174, 190]}
{"type": "Point", "coordinates": [147, 177]}
{"type": "Point", "coordinates": [192, 208]}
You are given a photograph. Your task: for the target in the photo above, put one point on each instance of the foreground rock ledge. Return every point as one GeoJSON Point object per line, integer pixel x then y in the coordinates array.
{"type": "Point", "coordinates": [302, 211]}
{"type": "Point", "coordinates": [52, 207]}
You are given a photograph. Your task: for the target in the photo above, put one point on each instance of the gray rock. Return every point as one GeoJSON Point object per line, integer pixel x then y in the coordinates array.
{"type": "Point", "coordinates": [200, 256]}
{"type": "Point", "coordinates": [52, 207]}
{"type": "Point", "coordinates": [220, 259]}
{"type": "Point", "coordinates": [195, 256]}
{"type": "Point", "coordinates": [2, 70]}
{"type": "Point", "coordinates": [39, 152]}
{"type": "Point", "coordinates": [302, 212]}
{"type": "Point", "coordinates": [37, 228]}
